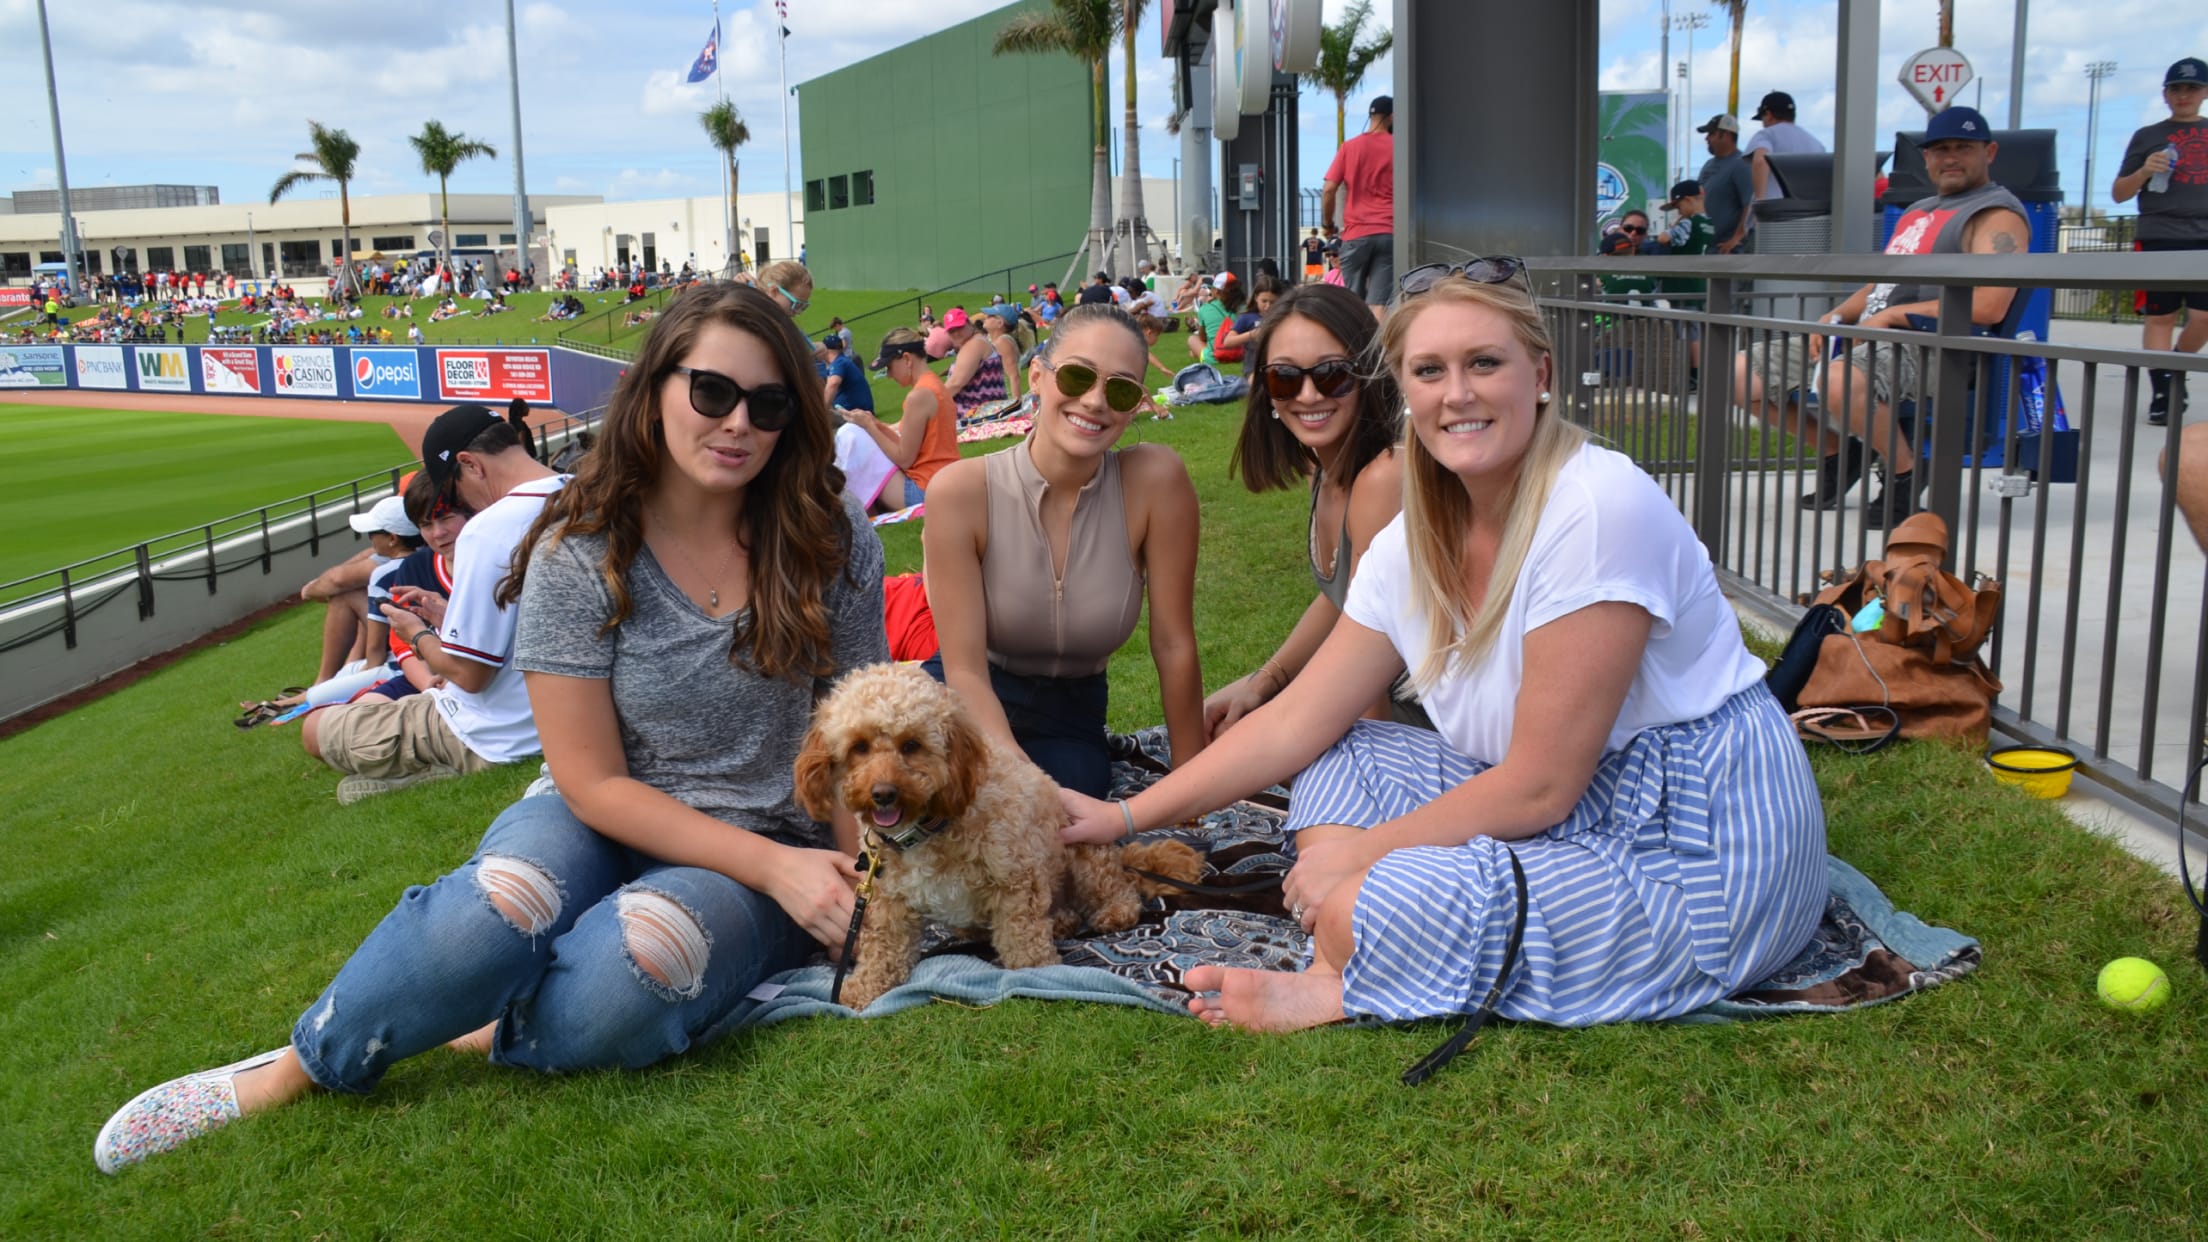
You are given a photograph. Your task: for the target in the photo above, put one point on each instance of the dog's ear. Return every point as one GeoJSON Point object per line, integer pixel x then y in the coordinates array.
{"type": "Point", "coordinates": [815, 776]}
{"type": "Point", "coordinates": [967, 757]}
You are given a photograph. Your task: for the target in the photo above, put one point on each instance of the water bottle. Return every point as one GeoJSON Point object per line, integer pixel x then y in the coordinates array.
{"type": "Point", "coordinates": [2160, 182]}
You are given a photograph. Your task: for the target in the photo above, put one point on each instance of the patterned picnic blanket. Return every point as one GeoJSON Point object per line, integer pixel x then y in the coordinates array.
{"type": "Point", "coordinates": [1865, 952]}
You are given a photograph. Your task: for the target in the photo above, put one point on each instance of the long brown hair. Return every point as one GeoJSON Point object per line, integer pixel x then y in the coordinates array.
{"type": "Point", "coordinates": [1267, 456]}
{"type": "Point", "coordinates": [1436, 510]}
{"type": "Point", "coordinates": [792, 522]}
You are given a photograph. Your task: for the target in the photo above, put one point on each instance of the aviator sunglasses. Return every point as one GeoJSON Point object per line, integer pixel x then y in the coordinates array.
{"type": "Point", "coordinates": [1074, 379]}
{"type": "Point", "coordinates": [1335, 377]}
{"type": "Point", "coordinates": [769, 406]}
{"type": "Point", "coordinates": [1500, 270]}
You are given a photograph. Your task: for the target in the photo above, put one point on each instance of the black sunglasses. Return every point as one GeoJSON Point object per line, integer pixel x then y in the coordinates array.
{"type": "Point", "coordinates": [1502, 269]}
{"type": "Point", "coordinates": [769, 406]}
{"type": "Point", "coordinates": [1074, 379]}
{"type": "Point", "coordinates": [1632, 228]}
{"type": "Point", "coordinates": [1335, 377]}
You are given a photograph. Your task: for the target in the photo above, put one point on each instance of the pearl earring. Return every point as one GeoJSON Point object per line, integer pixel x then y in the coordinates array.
{"type": "Point", "coordinates": [1544, 396]}
{"type": "Point", "coordinates": [1276, 416]}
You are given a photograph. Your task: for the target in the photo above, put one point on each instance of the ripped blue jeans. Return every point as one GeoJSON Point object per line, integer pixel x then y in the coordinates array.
{"type": "Point", "coordinates": [586, 953]}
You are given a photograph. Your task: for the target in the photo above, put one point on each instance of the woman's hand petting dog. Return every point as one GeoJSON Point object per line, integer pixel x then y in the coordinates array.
{"type": "Point", "coordinates": [816, 889]}
{"type": "Point", "coordinates": [1093, 820]}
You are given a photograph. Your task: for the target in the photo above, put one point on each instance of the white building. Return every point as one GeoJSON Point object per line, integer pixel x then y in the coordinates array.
{"type": "Point", "coordinates": [672, 231]}
{"type": "Point", "coordinates": [294, 239]}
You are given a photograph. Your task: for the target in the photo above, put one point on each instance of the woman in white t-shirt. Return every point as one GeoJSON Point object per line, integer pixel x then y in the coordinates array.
{"type": "Point", "coordinates": [1599, 723]}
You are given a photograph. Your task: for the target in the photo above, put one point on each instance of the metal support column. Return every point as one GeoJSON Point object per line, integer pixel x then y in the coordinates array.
{"type": "Point", "coordinates": [1498, 159]}
{"type": "Point", "coordinates": [1952, 418]}
{"type": "Point", "coordinates": [1713, 430]}
{"type": "Point", "coordinates": [1855, 129]}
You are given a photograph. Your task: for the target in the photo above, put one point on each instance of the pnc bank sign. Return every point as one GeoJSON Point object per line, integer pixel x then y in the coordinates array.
{"type": "Point", "coordinates": [387, 374]}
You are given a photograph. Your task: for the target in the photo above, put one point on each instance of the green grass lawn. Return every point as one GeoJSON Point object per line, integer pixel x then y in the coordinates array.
{"type": "Point", "coordinates": [77, 483]}
{"type": "Point", "coordinates": [517, 326]}
{"type": "Point", "coordinates": [177, 892]}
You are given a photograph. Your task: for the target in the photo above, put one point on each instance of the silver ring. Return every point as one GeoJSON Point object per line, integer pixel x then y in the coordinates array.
{"type": "Point", "coordinates": [1296, 912]}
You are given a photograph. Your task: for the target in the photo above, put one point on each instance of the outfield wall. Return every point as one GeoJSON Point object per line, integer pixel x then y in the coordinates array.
{"type": "Point", "coordinates": [441, 374]}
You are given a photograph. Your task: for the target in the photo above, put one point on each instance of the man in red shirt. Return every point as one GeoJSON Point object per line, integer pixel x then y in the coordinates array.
{"type": "Point", "coordinates": [1366, 167]}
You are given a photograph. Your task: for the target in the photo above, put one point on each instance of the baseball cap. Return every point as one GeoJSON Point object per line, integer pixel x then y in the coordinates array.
{"type": "Point", "coordinates": [1776, 101]}
{"type": "Point", "coordinates": [1383, 105]}
{"type": "Point", "coordinates": [954, 319]}
{"type": "Point", "coordinates": [832, 340]}
{"type": "Point", "coordinates": [1723, 120]}
{"type": "Point", "coordinates": [1684, 189]}
{"type": "Point", "coordinates": [1003, 310]}
{"type": "Point", "coordinates": [454, 430]}
{"type": "Point", "coordinates": [888, 352]}
{"type": "Point", "coordinates": [2191, 71]}
{"type": "Point", "coordinates": [388, 516]}
{"type": "Point", "coordinates": [1958, 123]}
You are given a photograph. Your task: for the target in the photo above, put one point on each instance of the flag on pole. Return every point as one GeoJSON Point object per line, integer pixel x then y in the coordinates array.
{"type": "Point", "coordinates": [709, 59]}
{"type": "Point", "coordinates": [782, 9]}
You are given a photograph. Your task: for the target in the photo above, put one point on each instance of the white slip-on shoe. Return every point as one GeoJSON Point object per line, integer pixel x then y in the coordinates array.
{"type": "Point", "coordinates": [162, 1118]}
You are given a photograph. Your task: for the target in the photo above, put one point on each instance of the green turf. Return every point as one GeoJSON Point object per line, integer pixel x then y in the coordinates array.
{"type": "Point", "coordinates": [176, 893]}
{"type": "Point", "coordinates": [77, 483]}
{"type": "Point", "coordinates": [516, 326]}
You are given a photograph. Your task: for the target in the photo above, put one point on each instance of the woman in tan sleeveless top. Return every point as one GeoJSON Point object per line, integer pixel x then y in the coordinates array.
{"type": "Point", "coordinates": [1041, 556]}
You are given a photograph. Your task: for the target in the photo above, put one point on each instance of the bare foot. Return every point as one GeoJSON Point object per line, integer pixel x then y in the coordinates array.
{"type": "Point", "coordinates": [1265, 1000]}
{"type": "Point", "coordinates": [476, 1042]}
{"type": "Point", "coordinates": [277, 1083]}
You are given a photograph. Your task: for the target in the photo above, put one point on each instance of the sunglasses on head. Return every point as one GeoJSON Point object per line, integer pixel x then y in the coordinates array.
{"type": "Point", "coordinates": [1076, 378]}
{"type": "Point", "coordinates": [1500, 270]}
{"type": "Point", "coordinates": [769, 406]}
{"type": "Point", "coordinates": [1335, 377]}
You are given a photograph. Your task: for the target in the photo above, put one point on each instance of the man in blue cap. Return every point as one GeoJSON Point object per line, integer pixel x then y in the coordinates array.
{"type": "Point", "coordinates": [1968, 215]}
{"type": "Point", "coordinates": [2166, 168]}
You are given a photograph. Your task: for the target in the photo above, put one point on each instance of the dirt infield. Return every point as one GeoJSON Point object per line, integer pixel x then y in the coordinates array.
{"type": "Point", "coordinates": [407, 419]}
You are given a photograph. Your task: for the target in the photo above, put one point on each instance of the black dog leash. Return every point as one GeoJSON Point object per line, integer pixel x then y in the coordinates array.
{"type": "Point", "coordinates": [1431, 1063]}
{"type": "Point", "coordinates": [1258, 885]}
{"type": "Point", "coordinates": [851, 937]}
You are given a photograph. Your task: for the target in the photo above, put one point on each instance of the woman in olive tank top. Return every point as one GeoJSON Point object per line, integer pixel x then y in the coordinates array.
{"type": "Point", "coordinates": [1322, 408]}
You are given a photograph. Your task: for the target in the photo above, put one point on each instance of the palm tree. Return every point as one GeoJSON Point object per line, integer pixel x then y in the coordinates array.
{"type": "Point", "coordinates": [725, 129]}
{"type": "Point", "coordinates": [1084, 30]}
{"type": "Point", "coordinates": [1738, 10]}
{"type": "Point", "coordinates": [333, 156]}
{"type": "Point", "coordinates": [1343, 61]}
{"type": "Point", "coordinates": [442, 151]}
{"type": "Point", "coordinates": [1130, 164]}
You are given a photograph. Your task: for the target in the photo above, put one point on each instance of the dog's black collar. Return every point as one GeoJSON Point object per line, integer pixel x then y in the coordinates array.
{"type": "Point", "coordinates": [910, 832]}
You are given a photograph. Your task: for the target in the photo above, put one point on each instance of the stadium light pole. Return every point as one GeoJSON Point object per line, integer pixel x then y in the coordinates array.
{"type": "Point", "coordinates": [61, 164]}
{"type": "Point", "coordinates": [2016, 65]}
{"type": "Point", "coordinates": [2096, 71]}
{"type": "Point", "coordinates": [521, 190]}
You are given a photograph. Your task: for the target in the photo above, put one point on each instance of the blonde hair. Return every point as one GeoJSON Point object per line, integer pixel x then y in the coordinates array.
{"type": "Point", "coordinates": [788, 273]}
{"type": "Point", "coordinates": [1436, 510]}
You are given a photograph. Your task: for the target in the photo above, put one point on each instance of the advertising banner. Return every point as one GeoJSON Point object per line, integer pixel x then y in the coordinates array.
{"type": "Point", "coordinates": [32, 366]}
{"type": "Point", "coordinates": [15, 297]}
{"type": "Point", "coordinates": [303, 372]}
{"type": "Point", "coordinates": [230, 370]}
{"type": "Point", "coordinates": [162, 368]}
{"type": "Point", "coordinates": [1630, 174]}
{"type": "Point", "coordinates": [101, 366]}
{"type": "Point", "coordinates": [494, 376]}
{"type": "Point", "coordinates": [387, 374]}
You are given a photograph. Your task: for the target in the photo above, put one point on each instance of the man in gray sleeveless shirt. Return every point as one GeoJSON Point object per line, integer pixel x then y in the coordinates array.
{"type": "Point", "coordinates": [1969, 215]}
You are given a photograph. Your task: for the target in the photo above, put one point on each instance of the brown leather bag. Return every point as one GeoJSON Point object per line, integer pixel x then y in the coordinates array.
{"type": "Point", "coordinates": [1922, 660]}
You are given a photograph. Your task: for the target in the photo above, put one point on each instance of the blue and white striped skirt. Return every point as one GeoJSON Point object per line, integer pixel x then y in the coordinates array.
{"type": "Point", "coordinates": [1693, 866]}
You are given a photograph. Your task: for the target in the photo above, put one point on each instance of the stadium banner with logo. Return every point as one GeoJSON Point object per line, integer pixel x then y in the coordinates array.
{"type": "Point", "coordinates": [100, 366]}
{"type": "Point", "coordinates": [230, 370]}
{"type": "Point", "coordinates": [162, 368]}
{"type": "Point", "coordinates": [15, 297]}
{"type": "Point", "coordinates": [32, 366]}
{"type": "Point", "coordinates": [1630, 172]}
{"type": "Point", "coordinates": [386, 374]}
{"type": "Point", "coordinates": [302, 372]}
{"type": "Point", "coordinates": [494, 376]}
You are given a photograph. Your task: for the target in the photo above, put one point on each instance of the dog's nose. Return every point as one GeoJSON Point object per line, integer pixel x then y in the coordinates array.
{"type": "Point", "coordinates": [885, 795]}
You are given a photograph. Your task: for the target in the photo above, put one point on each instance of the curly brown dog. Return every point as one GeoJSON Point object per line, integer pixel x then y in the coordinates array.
{"type": "Point", "coordinates": [979, 824]}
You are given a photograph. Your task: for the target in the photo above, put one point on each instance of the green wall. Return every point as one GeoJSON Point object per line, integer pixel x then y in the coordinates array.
{"type": "Point", "coordinates": [979, 161]}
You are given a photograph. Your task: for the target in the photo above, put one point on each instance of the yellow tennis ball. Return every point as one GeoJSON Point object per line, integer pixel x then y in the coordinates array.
{"type": "Point", "coordinates": [2134, 984]}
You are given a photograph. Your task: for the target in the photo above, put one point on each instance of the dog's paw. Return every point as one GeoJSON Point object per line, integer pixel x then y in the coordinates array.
{"type": "Point", "coordinates": [1172, 859]}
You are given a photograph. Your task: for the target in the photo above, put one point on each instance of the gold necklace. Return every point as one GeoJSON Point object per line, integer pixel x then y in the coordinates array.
{"type": "Point", "coordinates": [712, 592]}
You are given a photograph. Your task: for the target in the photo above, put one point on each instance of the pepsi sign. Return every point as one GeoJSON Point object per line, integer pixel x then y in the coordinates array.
{"type": "Point", "coordinates": [387, 374]}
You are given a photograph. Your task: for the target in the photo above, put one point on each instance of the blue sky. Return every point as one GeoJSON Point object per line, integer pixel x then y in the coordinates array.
{"type": "Point", "coordinates": [201, 92]}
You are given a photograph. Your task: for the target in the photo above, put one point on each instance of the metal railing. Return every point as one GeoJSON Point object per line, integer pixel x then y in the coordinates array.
{"type": "Point", "coordinates": [39, 606]}
{"type": "Point", "coordinates": [2102, 643]}
{"type": "Point", "coordinates": [974, 292]}
{"type": "Point", "coordinates": [604, 327]}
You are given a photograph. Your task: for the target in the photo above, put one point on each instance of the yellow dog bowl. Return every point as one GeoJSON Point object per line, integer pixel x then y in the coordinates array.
{"type": "Point", "coordinates": [2041, 771]}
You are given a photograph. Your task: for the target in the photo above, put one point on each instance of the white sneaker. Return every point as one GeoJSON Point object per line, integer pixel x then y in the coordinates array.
{"type": "Point", "coordinates": [166, 1117]}
{"type": "Point", "coordinates": [357, 788]}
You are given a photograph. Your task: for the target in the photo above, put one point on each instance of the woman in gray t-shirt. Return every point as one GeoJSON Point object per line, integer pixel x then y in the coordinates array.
{"type": "Point", "coordinates": [683, 602]}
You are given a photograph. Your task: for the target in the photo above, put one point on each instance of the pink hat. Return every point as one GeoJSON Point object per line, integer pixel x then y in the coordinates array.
{"type": "Point", "coordinates": [954, 318]}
